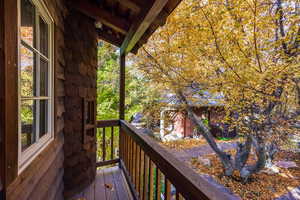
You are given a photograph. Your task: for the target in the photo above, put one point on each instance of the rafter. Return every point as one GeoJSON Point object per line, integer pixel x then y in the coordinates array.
{"type": "Point", "coordinates": [131, 5]}
{"type": "Point", "coordinates": [141, 24]}
{"type": "Point", "coordinates": [110, 38]}
{"type": "Point", "coordinates": [98, 13]}
{"type": "Point", "coordinates": [159, 21]}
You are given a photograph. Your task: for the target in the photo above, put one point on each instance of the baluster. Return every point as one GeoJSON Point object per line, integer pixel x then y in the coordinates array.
{"type": "Point", "coordinates": [103, 145]}
{"type": "Point", "coordinates": [178, 196]}
{"type": "Point", "coordinates": [146, 176]}
{"type": "Point", "coordinates": [167, 189]}
{"type": "Point", "coordinates": [137, 177]}
{"type": "Point", "coordinates": [128, 153]}
{"type": "Point", "coordinates": [158, 183]}
{"type": "Point", "coordinates": [121, 143]}
{"type": "Point", "coordinates": [142, 162]}
{"type": "Point", "coordinates": [131, 158]}
{"type": "Point", "coordinates": [125, 151]}
{"type": "Point", "coordinates": [112, 143]}
{"type": "Point", "coordinates": [151, 180]}
{"type": "Point", "coordinates": [134, 162]}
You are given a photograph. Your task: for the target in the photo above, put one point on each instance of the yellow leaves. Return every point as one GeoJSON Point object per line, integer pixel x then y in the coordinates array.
{"type": "Point", "coordinates": [213, 44]}
{"type": "Point", "coordinates": [109, 186]}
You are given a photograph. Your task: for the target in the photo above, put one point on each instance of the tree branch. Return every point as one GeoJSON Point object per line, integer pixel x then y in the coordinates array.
{"type": "Point", "coordinates": [217, 44]}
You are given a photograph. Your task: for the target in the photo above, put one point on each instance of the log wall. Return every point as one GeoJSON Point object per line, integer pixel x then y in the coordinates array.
{"type": "Point", "coordinates": [43, 178]}
{"type": "Point", "coordinates": [67, 165]}
{"type": "Point", "coordinates": [1, 100]}
{"type": "Point", "coordinates": [80, 84]}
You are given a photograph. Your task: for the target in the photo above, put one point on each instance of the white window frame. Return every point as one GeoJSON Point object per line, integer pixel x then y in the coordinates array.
{"type": "Point", "coordinates": [27, 156]}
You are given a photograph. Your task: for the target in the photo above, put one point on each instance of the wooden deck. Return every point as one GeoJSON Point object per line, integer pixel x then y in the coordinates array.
{"type": "Point", "coordinates": [110, 184]}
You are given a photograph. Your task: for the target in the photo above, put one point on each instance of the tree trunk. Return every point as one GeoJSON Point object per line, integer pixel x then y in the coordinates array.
{"type": "Point", "coordinates": [224, 157]}
{"type": "Point", "coordinates": [242, 154]}
{"type": "Point", "coordinates": [247, 171]}
{"type": "Point", "coordinates": [263, 153]}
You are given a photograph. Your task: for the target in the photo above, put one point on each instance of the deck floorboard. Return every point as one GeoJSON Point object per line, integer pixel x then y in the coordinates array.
{"type": "Point", "coordinates": [110, 184]}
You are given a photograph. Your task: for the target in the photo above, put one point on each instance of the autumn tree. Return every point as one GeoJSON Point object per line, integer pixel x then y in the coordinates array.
{"type": "Point", "coordinates": [247, 50]}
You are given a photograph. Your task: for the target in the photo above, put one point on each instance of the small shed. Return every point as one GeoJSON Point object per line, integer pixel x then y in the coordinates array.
{"type": "Point", "coordinates": [48, 63]}
{"type": "Point", "coordinates": [209, 107]}
{"type": "Point", "coordinates": [49, 135]}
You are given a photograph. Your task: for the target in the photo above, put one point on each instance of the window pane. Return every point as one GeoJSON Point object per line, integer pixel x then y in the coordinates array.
{"type": "Point", "coordinates": [28, 22]}
{"type": "Point", "coordinates": [44, 37]}
{"type": "Point", "coordinates": [28, 71]}
{"type": "Point", "coordinates": [28, 124]}
{"type": "Point", "coordinates": [44, 77]}
{"type": "Point", "coordinates": [43, 117]}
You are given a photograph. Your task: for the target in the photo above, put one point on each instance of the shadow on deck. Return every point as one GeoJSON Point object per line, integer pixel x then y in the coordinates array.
{"type": "Point", "coordinates": [110, 183]}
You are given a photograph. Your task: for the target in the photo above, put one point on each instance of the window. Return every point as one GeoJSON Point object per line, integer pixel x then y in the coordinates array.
{"type": "Point", "coordinates": [35, 80]}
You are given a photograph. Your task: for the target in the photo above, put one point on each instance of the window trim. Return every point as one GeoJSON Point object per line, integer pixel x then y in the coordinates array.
{"type": "Point", "coordinates": [27, 156]}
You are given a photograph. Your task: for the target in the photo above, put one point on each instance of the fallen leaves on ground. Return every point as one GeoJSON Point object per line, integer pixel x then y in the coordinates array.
{"type": "Point", "coordinates": [184, 143]}
{"type": "Point", "coordinates": [109, 186]}
{"type": "Point", "coordinates": [261, 186]}
{"type": "Point", "coordinates": [188, 143]}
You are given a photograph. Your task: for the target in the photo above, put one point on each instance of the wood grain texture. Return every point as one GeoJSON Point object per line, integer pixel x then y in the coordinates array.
{"type": "Point", "coordinates": [167, 189]}
{"type": "Point", "coordinates": [103, 144]}
{"type": "Point", "coordinates": [2, 105]}
{"type": "Point", "coordinates": [10, 90]}
{"type": "Point", "coordinates": [129, 180]}
{"type": "Point", "coordinates": [117, 23]}
{"type": "Point", "coordinates": [112, 153]}
{"type": "Point", "coordinates": [28, 181]}
{"type": "Point", "coordinates": [186, 181]}
{"type": "Point", "coordinates": [159, 21]}
{"type": "Point", "coordinates": [178, 196]}
{"type": "Point", "coordinates": [110, 184]}
{"type": "Point", "coordinates": [130, 157]}
{"type": "Point", "coordinates": [146, 177]}
{"type": "Point", "coordinates": [151, 180]}
{"type": "Point", "coordinates": [108, 123]}
{"type": "Point", "coordinates": [142, 172]}
{"type": "Point", "coordinates": [51, 181]}
{"type": "Point", "coordinates": [110, 38]}
{"type": "Point", "coordinates": [107, 162]}
{"type": "Point", "coordinates": [47, 167]}
{"type": "Point", "coordinates": [99, 185]}
{"type": "Point", "coordinates": [135, 7]}
{"type": "Point", "coordinates": [141, 24]}
{"type": "Point", "coordinates": [137, 165]}
{"type": "Point", "coordinates": [158, 184]}
{"type": "Point", "coordinates": [121, 186]}
{"type": "Point", "coordinates": [122, 87]}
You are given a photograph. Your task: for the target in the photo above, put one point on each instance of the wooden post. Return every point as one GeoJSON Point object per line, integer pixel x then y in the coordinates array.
{"type": "Point", "coordinates": [122, 87]}
{"type": "Point", "coordinates": [9, 90]}
{"type": "Point", "coordinates": [2, 106]}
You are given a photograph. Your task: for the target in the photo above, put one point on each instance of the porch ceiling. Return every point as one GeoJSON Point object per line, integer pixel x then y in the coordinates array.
{"type": "Point", "coordinates": [126, 23]}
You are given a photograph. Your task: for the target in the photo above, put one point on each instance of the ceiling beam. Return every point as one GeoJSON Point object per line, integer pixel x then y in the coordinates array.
{"type": "Point", "coordinates": [110, 38]}
{"type": "Point", "coordinates": [159, 21]}
{"type": "Point", "coordinates": [131, 5]}
{"type": "Point", "coordinates": [117, 23]}
{"type": "Point", "coordinates": [140, 25]}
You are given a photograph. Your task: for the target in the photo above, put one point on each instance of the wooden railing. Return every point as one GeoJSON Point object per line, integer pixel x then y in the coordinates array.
{"type": "Point", "coordinates": [153, 172]}
{"type": "Point", "coordinates": [108, 142]}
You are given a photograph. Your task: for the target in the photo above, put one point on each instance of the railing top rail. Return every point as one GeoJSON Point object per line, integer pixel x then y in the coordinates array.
{"type": "Point", "coordinates": [185, 179]}
{"type": "Point", "coordinates": [108, 123]}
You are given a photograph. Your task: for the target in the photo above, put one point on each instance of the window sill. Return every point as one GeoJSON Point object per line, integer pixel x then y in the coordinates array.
{"type": "Point", "coordinates": [33, 151]}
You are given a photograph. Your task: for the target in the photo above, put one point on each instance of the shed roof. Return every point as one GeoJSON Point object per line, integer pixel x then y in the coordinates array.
{"type": "Point", "coordinates": [126, 23]}
{"type": "Point", "coordinates": [196, 96]}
